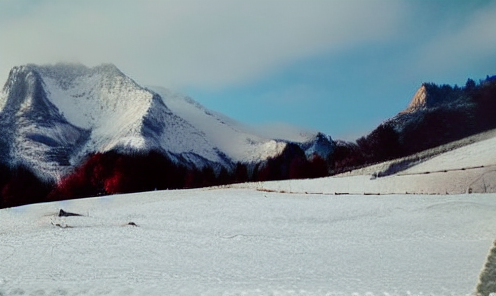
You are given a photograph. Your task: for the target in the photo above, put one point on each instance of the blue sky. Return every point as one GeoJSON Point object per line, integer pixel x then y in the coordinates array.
{"type": "Point", "coordinates": [340, 67]}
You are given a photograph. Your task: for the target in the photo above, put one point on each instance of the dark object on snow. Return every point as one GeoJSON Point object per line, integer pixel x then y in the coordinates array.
{"type": "Point", "coordinates": [132, 224]}
{"type": "Point", "coordinates": [63, 213]}
{"type": "Point", "coordinates": [63, 225]}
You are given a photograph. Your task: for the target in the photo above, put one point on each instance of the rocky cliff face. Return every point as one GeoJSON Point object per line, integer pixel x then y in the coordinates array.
{"type": "Point", "coordinates": [418, 101]}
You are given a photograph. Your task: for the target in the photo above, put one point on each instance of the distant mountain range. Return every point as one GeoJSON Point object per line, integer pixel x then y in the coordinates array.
{"type": "Point", "coordinates": [70, 131]}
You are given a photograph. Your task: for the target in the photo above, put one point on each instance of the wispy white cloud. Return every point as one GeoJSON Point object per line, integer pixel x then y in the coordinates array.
{"type": "Point", "coordinates": [208, 44]}
{"type": "Point", "coordinates": [283, 130]}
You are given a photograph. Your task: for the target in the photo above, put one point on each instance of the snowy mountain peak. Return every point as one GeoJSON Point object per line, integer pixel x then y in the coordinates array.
{"type": "Point", "coordinates": [34, 131]}
{"type": "Point", "coordinates": [64, 73]}
{"type": "Point", "coordinates": [24, 96]}
{"type": "Point", "coordinates": [321, 145]}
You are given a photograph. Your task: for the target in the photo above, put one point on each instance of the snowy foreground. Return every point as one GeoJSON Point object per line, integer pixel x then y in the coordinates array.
{"type": "Point", "coordinates": [303, 237]}
{"type": "Point", "coordinates": [248, 242]}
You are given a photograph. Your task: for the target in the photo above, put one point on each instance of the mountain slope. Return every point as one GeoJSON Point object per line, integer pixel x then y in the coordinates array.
{"type": "Point", "coordinates": [230, 137]}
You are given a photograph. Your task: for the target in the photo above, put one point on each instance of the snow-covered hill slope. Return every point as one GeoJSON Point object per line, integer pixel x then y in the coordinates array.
{"type": "Point", "coordinates": [479, 154]}
{"type": "Point", "coordinates": [55, 115]}
{"type": "Point", "coordinates": [397, 166]}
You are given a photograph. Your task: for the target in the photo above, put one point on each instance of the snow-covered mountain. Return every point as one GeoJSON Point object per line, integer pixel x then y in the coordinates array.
{"type": "Point", "coordinates": [52, 116]}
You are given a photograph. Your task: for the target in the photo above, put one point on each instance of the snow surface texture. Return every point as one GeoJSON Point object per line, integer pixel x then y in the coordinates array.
{"type": "Point", "coordinates": [487, 281]}
{"type": "Point", "coordinates": [248, 240]}
{"type": "Point", "coordinates": [239, 241]}
{"type": "Point", "coordinates": [485, 155]}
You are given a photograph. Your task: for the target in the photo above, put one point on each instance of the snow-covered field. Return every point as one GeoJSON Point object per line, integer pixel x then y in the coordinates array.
{"type": "Point", "coordinates": [246, 242]}
{"type": "Point", "coordinates": [273, 238]}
